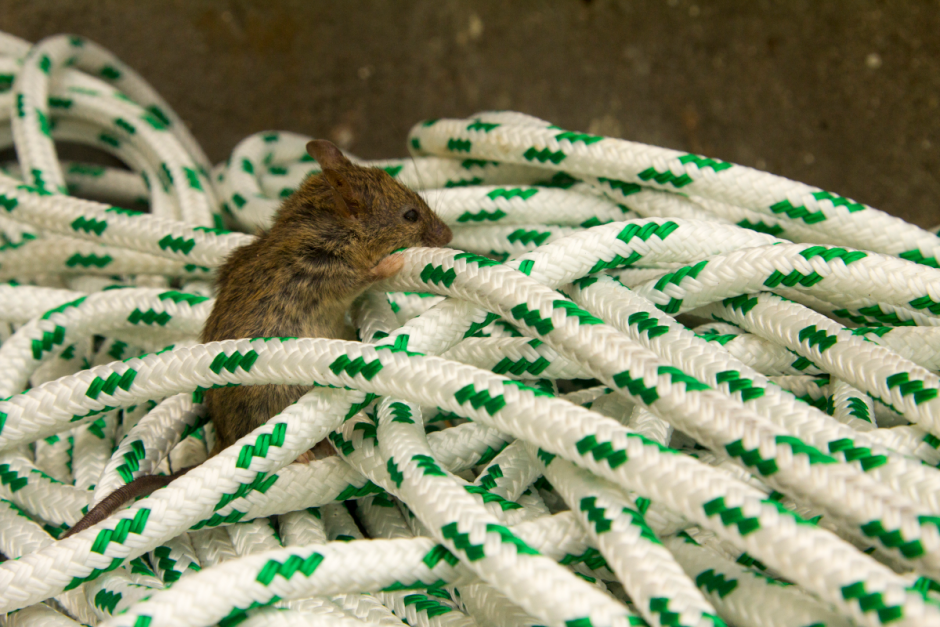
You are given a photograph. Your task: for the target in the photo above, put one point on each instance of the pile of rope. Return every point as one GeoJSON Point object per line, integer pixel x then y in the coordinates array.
{"type": "Point", "coordinates": [642, 387]}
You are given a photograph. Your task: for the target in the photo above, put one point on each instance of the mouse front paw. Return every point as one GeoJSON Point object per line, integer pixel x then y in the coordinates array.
{"type": "Point", "coordinates": [388, 267]}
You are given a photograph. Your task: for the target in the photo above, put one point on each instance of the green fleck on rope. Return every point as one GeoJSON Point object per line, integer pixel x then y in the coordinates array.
{"type": "Point", "coordinates": [715, 583]}
{"type": "Point", "coordinates": [233, 362]}
{"type": "Point", "coordinates": [869, 602]}
{"type": "Point", "coordinates": [111, 384]}
{"type": "Point", "coordinates": [288, 568]}
{"type": "Point", "coordinates": [578, 137]}
{"type": "Point", "coordinates": [652, 174]}
{"type": "Point", "coordinates": [458, 145]}
{"type": "Point", "coordinates": [601, 451]}
{"type": "Point", "coordinates": [544, 155]}
{"type": "Point", "coordinates": [177, 244]}
{"type": "Point", "coordinates": [106, 600]}
{"type": "Point", "coordinates": [88, 261]}
{"type": "Point", "coordinates": [731, 515]}
{"type": "Point", "coordinates": [491, 404]}
{"type": "Point", "coordinates": [762, 227]}
{"type": "Point", "coordinates": [89, 225]}
{"type": "Point", "coordinates": [119, 534]}
{"type": "Point", "coordinates": [907, 387]}
{"type": "Point", "coordinates": [526, 237]}
{"type": "Point", "coordinates": [481, 216]}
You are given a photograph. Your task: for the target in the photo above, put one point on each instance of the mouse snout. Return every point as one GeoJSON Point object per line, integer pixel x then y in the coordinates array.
{"type": "Point", "coordinates": [437, 234]}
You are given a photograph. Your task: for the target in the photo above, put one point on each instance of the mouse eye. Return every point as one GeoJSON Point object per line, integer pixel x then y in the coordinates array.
{"type": "Point", "coordinates": [411, 215]}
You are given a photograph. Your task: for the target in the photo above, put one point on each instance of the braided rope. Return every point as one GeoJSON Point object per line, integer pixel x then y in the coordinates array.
{"type": "Point", "coordinates": [527, 437]}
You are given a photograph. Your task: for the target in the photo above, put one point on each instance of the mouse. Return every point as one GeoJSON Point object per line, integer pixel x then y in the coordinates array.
{"type": "Point", "coordinates": [329, 241]}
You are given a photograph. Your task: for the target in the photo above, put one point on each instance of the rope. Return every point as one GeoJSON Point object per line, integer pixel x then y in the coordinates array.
{"type": "Point", "coordinates": [640, 386]}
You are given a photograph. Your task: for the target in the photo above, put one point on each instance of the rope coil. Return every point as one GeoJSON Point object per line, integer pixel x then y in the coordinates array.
{"type": "Point", "coordinates": [641, 387]}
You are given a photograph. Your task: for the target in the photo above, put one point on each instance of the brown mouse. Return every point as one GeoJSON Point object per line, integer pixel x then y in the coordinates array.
{"type": "Point", "coordinates": [330, 240]}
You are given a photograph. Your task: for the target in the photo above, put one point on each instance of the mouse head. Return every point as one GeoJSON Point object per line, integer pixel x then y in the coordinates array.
{"type": "Point", "coordinates": [374, 213]}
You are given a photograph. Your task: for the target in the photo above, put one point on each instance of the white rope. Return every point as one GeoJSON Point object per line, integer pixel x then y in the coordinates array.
{"type": "Point", "coordinates": [530, 434]}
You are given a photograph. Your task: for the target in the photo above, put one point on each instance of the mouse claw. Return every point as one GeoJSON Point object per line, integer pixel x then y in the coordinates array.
{"type": "Point", "coordinates": [388, 267]}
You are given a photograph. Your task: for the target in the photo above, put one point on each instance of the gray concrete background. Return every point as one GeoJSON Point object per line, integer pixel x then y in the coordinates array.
{"type": "Point", "coordinates": [840, 94]}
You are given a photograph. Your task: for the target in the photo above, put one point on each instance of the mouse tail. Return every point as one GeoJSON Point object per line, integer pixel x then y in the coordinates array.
{"type": "Point", "coordinates": [141, 486]}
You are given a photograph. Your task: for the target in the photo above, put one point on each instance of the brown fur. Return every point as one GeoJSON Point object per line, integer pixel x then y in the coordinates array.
{"type": "Point", "coordinates": [330, 240]}
{"type": "Point", "coordinates": [299, 278]}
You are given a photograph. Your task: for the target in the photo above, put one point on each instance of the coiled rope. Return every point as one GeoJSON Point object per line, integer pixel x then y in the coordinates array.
{"type": "Point", "coordinates": [641, 387]}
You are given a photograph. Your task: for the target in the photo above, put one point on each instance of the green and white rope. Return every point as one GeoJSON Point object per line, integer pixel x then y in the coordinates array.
{"type": "Point", "coordinates": [534, 142]}
{"type": "Point", "coordinates": [774, 466]}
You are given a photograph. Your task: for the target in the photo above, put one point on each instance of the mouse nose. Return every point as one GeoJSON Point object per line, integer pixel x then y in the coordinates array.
{"type": "Point", "coordinates": [438, 235]}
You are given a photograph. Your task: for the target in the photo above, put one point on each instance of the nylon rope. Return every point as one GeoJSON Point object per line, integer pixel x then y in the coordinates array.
{"type": "Point", "coordinates": [639, 387]}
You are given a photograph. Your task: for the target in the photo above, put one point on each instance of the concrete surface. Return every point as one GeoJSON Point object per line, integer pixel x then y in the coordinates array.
{"type": "Point", "coordinates": [840, 94]}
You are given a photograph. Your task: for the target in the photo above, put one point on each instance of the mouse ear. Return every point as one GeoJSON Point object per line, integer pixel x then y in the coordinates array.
{"type": "Point", "coordinates": [332, 161]}
{"type": "Point", "coordinates": [327, 154]}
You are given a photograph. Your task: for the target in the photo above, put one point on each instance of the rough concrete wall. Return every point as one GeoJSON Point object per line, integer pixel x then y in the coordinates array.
{"type": "Point", "coordinates": [840, 94]}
